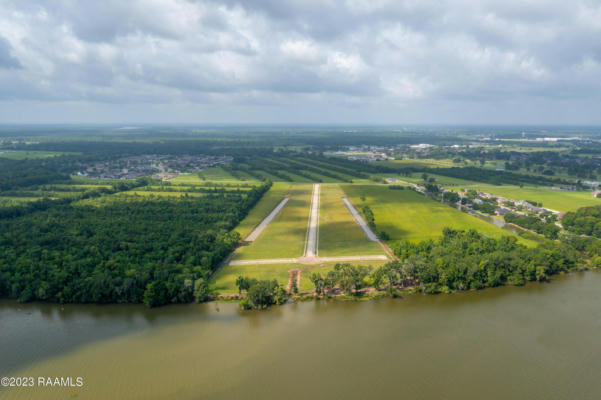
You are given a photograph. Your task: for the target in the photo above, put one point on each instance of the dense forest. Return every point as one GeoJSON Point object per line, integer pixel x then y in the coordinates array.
{"type": "Point", "coordinates": [461, 260]}
{"type": "Point", "coordinates": [584, 221]}
{"type": "Point", "coordinates": [20, 173]}
{"type": "Point", "coordinates": [153, 251]}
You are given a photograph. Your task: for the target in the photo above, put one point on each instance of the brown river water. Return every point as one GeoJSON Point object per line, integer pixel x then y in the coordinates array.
{"type": "Point", "coordinates": [541, 341]}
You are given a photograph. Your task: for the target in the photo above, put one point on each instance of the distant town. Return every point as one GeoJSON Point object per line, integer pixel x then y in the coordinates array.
{"type": "Point", "coordinates": [157, 166]}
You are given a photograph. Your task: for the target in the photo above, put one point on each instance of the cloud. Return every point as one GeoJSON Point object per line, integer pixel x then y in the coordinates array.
{"type": "Point", "coordinates": [6, 59]}
{"type": "Point", "coordinates": [372, 61]}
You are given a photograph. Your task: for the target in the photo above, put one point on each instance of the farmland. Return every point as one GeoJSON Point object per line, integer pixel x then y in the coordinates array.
{"type": "Point", "coordinates": [562, 201]}
{"type": "Point", "coordinates": [35, 183]}
{"type": "Point", "coordinates": [407, 215]}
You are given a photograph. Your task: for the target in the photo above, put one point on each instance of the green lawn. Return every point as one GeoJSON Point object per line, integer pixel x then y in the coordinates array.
{"type": "Point", "coordinates": [407, 215]}
{"type": "Point", "coordinates": [562, 201]}
{"type": "Point", "coordinates": [285, 236]}
{"type": "Point", "coordinates": [267, 203]}
{"type": "Point", "coordinates": [339, 233]}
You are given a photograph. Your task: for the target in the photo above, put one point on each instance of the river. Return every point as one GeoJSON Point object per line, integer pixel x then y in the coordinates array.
{"type": "Point", "coordinates": [535, 342]}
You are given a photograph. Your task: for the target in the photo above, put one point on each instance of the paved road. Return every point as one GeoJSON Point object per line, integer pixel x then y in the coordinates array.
{"type": "Point", "coordinates": [370, 235]}
{"type": "Point", "coordinates": [257, 231]}
{"type": "Point", "coordinates": [307, 260]}
{"type": "Point", "coordinates": [313, 229]}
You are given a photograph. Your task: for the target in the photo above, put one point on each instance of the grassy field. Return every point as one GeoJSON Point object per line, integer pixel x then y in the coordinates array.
{"type": "Point", "coordinates": [339, 234]}
{"type": "Point", "coordinates": [285, 236]}
{"type": "Point", "coordinates": [224, 281]}
{"type": "Point", "coordinates": [419, 163]}
{"type": "Point", "coordinates": [215, 174]}
{"type": "Point", "coordinates": [440, 179]}
{"type": "Point", "coordinates": [407, 215]}
{"type": "Point", "coordinates": [554, 199]}
{"type": "Point", "coordinates": [197, 178]}
{"type": "Point", "coordinates": [156, 193]}
{"type": "Point", "coordinates": [267, 203]}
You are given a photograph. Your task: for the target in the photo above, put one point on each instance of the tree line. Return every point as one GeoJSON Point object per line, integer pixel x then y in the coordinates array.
{"type": "Point", "coordinates": [458, 260]}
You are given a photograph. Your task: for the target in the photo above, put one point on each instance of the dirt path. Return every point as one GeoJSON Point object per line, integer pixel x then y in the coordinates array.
{"type": "Point", "coordinates": [313, 228]}
{"type": "Point", "coordinates": [293, 275]}
{"type": "Point", "coordinates": [368, 232]}
{"type": "Point", "coordinates": [257, 231]}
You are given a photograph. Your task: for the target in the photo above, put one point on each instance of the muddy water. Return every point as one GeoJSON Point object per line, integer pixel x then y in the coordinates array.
{"type": "Point", "coordinates": [536, 342]}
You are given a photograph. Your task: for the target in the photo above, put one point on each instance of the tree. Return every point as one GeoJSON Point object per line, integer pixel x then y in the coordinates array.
{"type": "Point", "coordinates": [318, 283]}
{"type": "Point", "coordinates": [294, 286]}
{"type": "Point", "coordinates": [262, 294]}
{"type": "Point", "coordinates": [244, 283]}
{"type": "Point", "coordinates": [155, 294]}
{"type": "Point", "coordinates": [201, 290]}
{"type": "Point", "coordinates": [450, 197]}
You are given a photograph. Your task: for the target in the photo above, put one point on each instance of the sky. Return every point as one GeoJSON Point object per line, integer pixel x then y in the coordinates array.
{"type": "Point", "coordinates": [301, 61]}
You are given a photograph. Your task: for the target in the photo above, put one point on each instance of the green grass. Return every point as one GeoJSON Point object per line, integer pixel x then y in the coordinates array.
{"type": "Point", "coordinates": [407, 215]}
{"type": "Point", "coordinates": [216, 174]}
{"type": "Point", "coordinates": [285, 236]}
{"type": "Point", "coordinates": [339, 233]}
{"type": "Point", "coordinates": [562, 201]}
{"type": "Point", "coordinates": [224, 281]}
{"type": "Point", "coordinates": [267, 203]}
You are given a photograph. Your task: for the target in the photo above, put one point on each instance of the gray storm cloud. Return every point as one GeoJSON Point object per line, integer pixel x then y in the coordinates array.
{"type": "Point", "coordinates": [301, 61]}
